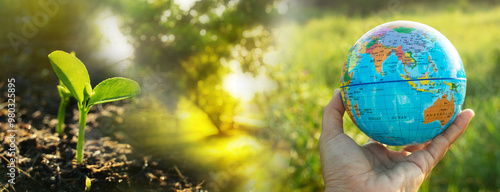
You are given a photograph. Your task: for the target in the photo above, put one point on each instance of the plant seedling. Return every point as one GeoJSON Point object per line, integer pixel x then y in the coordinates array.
{"type": "Point", "coordinates": [65, 96]}
{"type": "Point", "coordinates": [74, 76]}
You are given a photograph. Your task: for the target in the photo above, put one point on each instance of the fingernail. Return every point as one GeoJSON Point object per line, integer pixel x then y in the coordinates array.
{"type": "Point", "coordinates": [473, 113]}
{"type": "Point", "coordinates": [335, 92]}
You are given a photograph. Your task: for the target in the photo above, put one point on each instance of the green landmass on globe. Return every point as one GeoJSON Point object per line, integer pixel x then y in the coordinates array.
{"type": "Point", "coordinates": [403, 83]}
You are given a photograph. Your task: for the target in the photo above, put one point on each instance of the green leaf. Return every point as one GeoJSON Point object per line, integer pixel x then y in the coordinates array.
{"type": "Point", "coordinates": [87, 92]}
{"type": "Point", "coordinates": [71, 72]}
{"type": "Point", "coordinates": [62, 84]}
{"type": "Point", "coordinates": [114, 89]}
{"type": "Point", "coordinates": [88, 184]}
{"type": "Point", "coordinates": [63, 90]}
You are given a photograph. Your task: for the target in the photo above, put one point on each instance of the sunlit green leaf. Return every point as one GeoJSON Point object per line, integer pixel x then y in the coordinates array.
{"type": "Point", "coordinates": [62, 84]}
{"type": "Point", "coordinates": [63, 90]}
{"type": "Point", "coordinates": [114, 89]}
{"type": "Point", "coordinates": [88, 184]}
{"type": "Point", "coordinates": [71, 72]}
{"type": "Point", "coordinates": [87, 92]}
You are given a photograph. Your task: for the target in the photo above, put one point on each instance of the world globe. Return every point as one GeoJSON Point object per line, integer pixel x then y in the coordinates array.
{"type": "Point", "coordinates": [403, 83]}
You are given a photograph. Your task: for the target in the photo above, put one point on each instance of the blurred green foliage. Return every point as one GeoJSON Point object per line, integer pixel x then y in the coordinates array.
{"type": "Point", "coordinates": [311, 61]}
{"type": "Point", "coordinates": [189, 47]}
{"type": "Point", "coordinates": [189, 52]}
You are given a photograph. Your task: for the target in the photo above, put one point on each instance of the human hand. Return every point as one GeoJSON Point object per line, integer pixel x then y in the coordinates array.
{"type": "Point", "coordinates": [347, 166]}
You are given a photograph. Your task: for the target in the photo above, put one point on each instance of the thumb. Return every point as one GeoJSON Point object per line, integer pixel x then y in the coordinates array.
{"type": "Point", "coordinates": [332, 124]}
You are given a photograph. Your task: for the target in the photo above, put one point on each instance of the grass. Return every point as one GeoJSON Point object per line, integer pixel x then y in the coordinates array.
{"type": "Point", "coordinates": [306, 66]}
{"type": "Point", "coordinates": [312, 54]}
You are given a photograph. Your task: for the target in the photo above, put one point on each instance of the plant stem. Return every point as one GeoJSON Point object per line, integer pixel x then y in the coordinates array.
{"type": "Point", "coordinates": [81, 135]}
{"type": "Point", "coordinates": [60, 115]}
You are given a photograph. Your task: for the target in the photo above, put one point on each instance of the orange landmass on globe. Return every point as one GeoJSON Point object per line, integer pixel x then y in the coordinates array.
{"type": "Point", "coordinates": [344, 91]}
{"type": "Point", "coordinates": [357, 109]}
{"type": "Point", "coordinates": [348, 105]}
{"type": "Point", "coordinates": [362, 47]}
{"type": "Point", "coordinates": [441, 110]}
{"type": "Point", "coordinates": [403, 57]}
{"type": "Point", "coordinates": [379, 53]}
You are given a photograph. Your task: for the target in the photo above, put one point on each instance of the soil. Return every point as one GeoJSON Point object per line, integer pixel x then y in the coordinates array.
{"type": "Point", "coordinates": [46, 160]}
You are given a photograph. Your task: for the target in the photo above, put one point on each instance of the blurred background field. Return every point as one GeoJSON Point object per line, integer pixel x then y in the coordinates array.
{"type": "Point", "coordinates": [234, 89]}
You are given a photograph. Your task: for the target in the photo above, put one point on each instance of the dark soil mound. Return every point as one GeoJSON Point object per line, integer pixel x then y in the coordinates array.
{"type": "Point", "coordinates": [46, 160]}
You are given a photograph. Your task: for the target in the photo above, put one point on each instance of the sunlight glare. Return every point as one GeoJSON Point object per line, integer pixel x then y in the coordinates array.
{"type": "Point", "coordinates": [244, 86]}
{"type": "Point", "coordinates": [114, 47]}
{"type": "Point", "coordinates": [185, 5]}
{"type": "Point", "coordinates": [240, 85]}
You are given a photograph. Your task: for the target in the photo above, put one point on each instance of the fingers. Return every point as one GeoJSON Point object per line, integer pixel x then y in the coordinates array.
{"type": "Point", "coordinates": [374, 145]}
{"type": "Point", "coordinates": [370, 140]}
{"type": "Point", "coordinates": [426, 159]}
{"type": "Point", "coordinates": [332, 124]}
{"type": "Point", "coordinates": [440, 144]}
{"type": "Point", "coordinates": [413, 148]}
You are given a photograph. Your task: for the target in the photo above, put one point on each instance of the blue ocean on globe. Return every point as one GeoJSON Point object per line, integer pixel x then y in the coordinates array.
{"type": "Point", "coordinates": [403, 83]}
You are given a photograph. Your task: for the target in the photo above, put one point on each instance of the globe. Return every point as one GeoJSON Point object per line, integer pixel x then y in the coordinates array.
{"type": "Point", "coordinates": [403, 83]}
